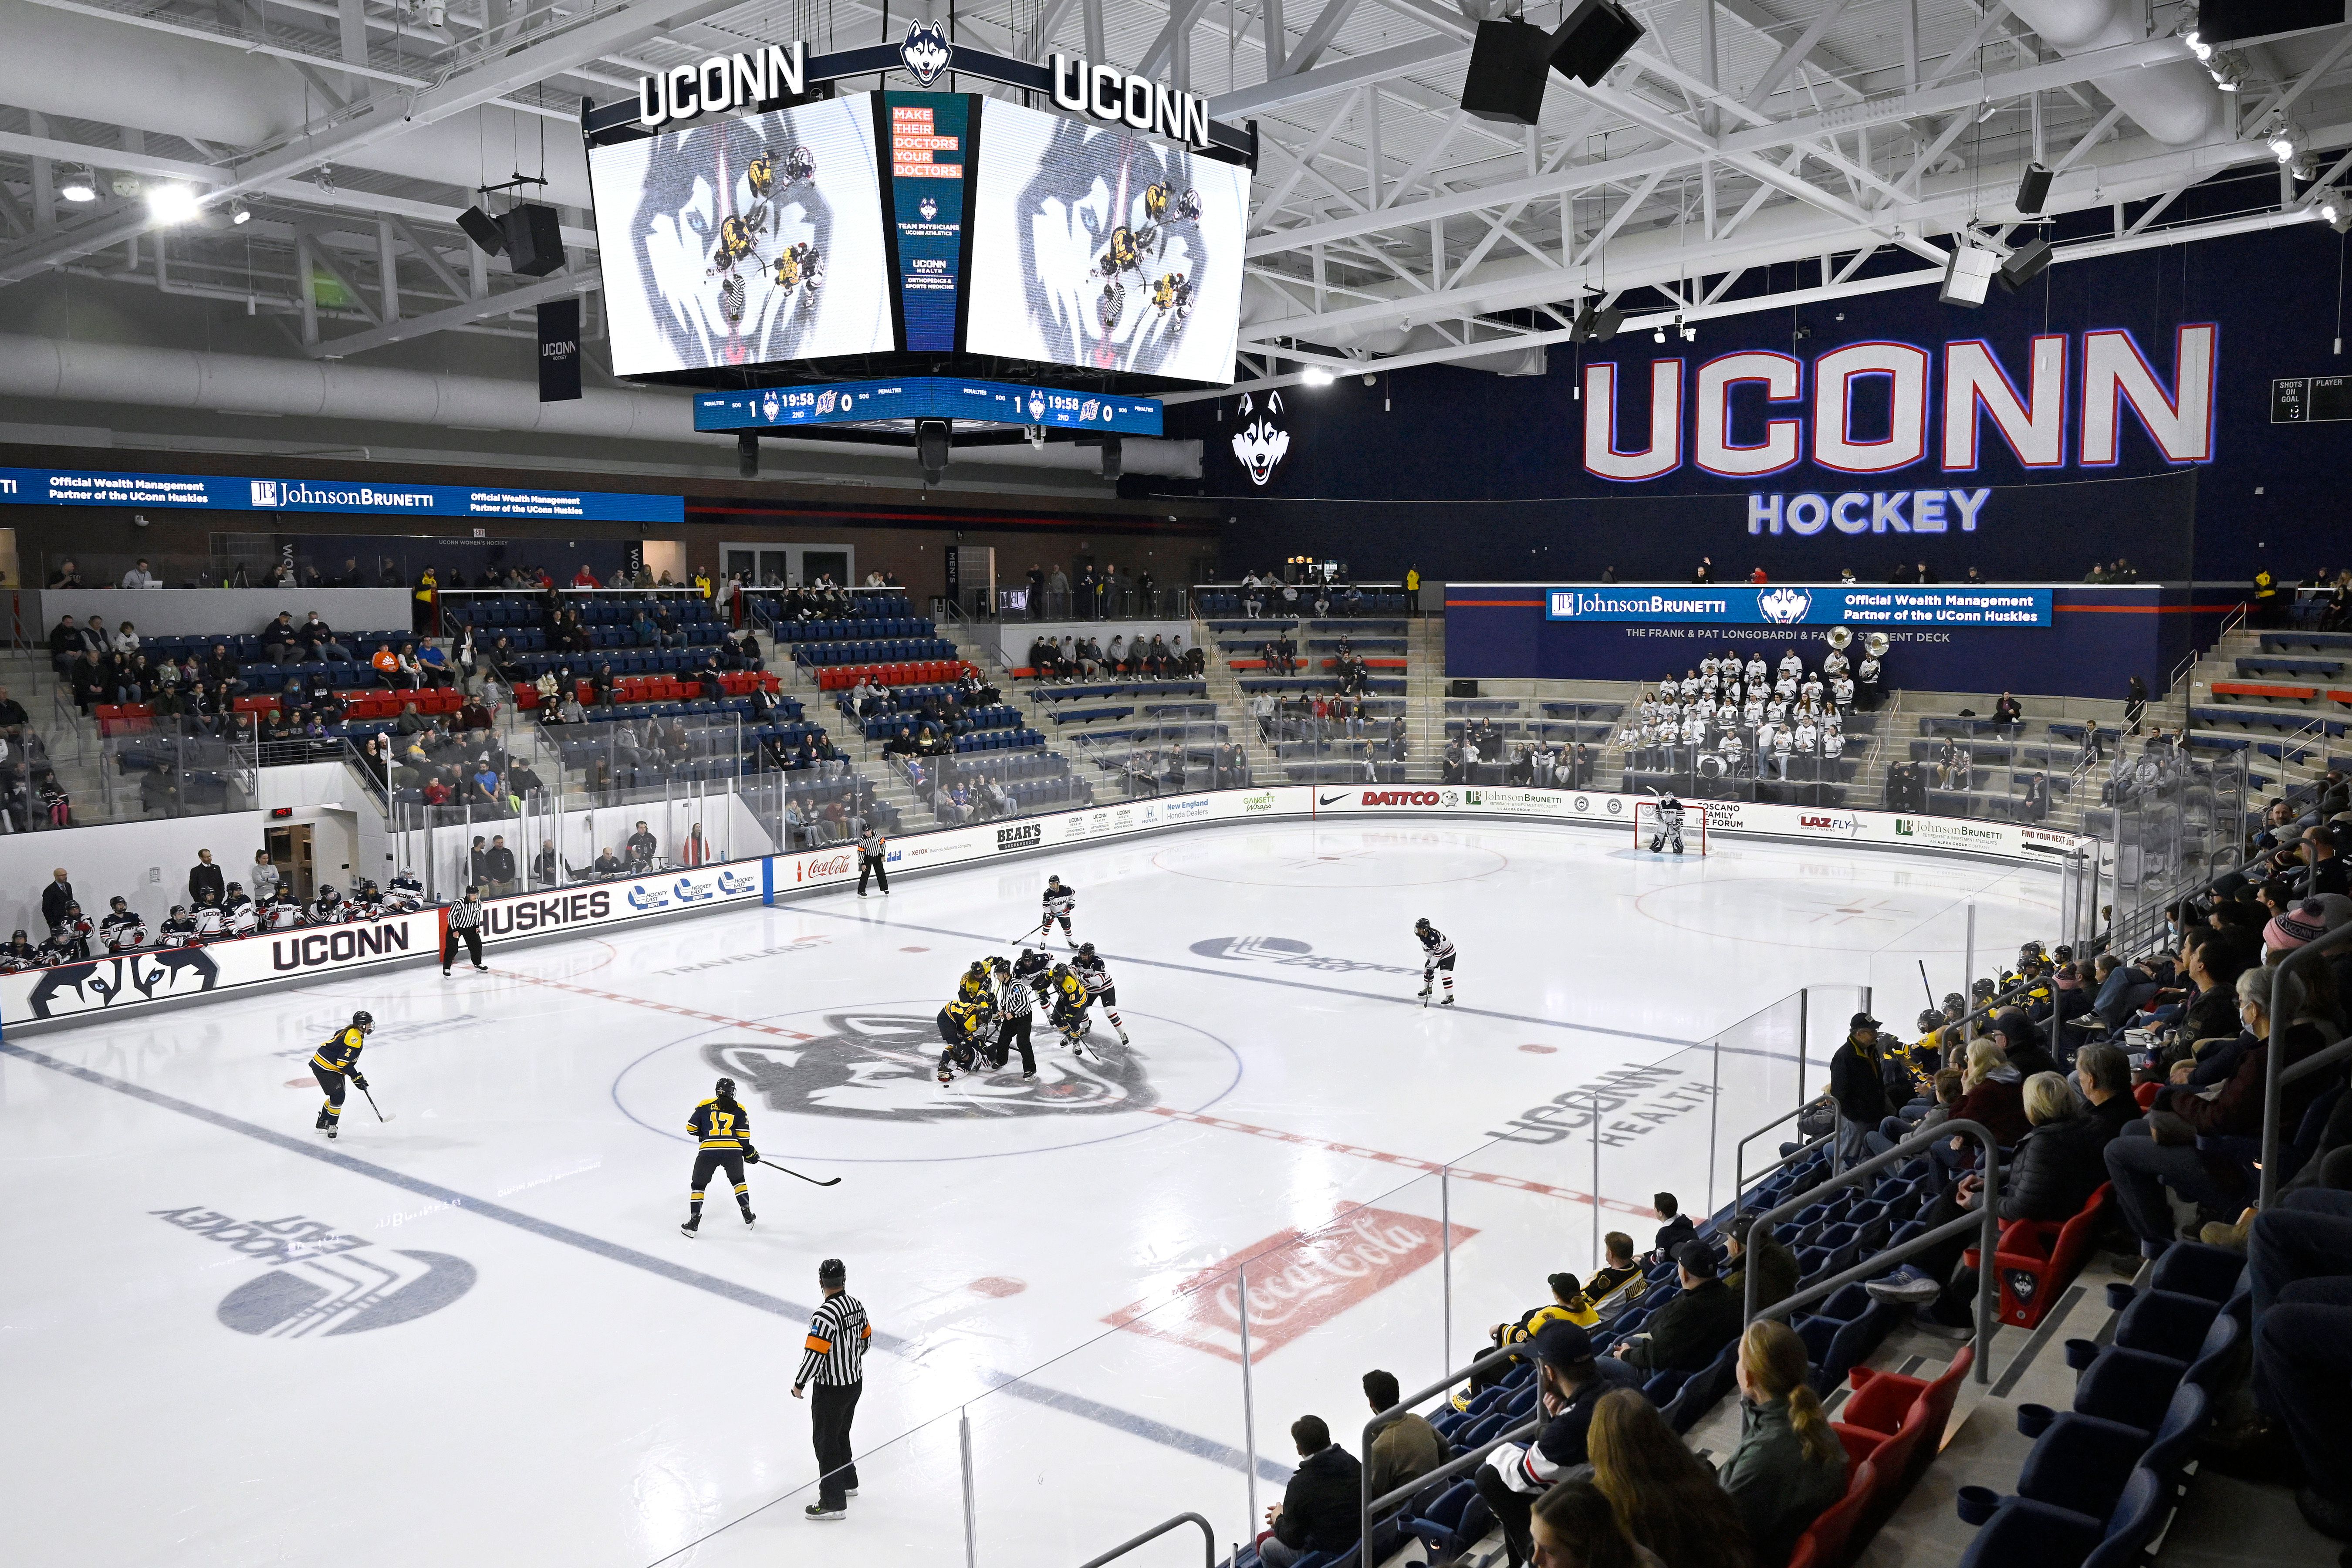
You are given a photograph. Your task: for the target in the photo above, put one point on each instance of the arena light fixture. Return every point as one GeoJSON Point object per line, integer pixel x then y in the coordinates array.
{"type": "Point", "coordinates": [77, 184]}
{"type": "Point", "coordinates": [2335, 207]}
{"type": "Point", "coordinates": [2228, 71]}
{"type": "Point", "coordinates": [172, 204]}
{"type": "Point", "coordinates": [239, 213]}
{"type": "Point", "coordinates": [1315, 376]}
{"type": "Point", "coordinates": [2287, 140]}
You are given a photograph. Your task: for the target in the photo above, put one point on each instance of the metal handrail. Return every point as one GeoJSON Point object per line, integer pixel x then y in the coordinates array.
{"type": "Point", "coordinates": [1738, 1180]}
{"type": "Point", "coordinates": [1987, 1219]}
{"type": "Point", "coordinates": [2277, 1075]}
{"type": "Point", "coordinates": [1366, 1504]}
{"type": "Point", "coordinates": [1208, 1542]}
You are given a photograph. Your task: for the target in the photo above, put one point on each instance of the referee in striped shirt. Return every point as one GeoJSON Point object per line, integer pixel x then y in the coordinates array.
{"type": "Point", "coordinates": [835, 1362]}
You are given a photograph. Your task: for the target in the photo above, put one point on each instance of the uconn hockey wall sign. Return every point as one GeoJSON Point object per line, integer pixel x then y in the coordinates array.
{"type": "Point", "coordinates": [165, 974]}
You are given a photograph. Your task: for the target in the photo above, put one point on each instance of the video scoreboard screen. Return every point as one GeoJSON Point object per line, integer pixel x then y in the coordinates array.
{"type": "Point", "coordinates": [923, 223]}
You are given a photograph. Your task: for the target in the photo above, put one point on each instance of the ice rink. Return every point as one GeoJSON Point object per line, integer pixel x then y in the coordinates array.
{"type": "Point", "coordinates": [509, 1354]}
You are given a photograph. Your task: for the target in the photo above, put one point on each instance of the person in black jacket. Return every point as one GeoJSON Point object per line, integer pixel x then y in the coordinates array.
{"type": "Point", "coordinates": [1319, 1511]}
{"type": "Point", "coordinates": [2104, 1075]}
{"type": "Point", "coordinates": [205, 876]}
{"type": "Point", "coordinates": [56, 899]}
{"type": "Point", "coordinates": [1570, 1380]}
{"type": "Point", "coordinates": [1858, 1084]}
{"type": "Point", "coordinates": [2061, 1163]}
{"type": "Point", "coordinates": [1689, 1331]}
{"type": "Point", "coordinates": [1676, 1230]}
{"type": "Point", "coordinates": [2023, 1041]}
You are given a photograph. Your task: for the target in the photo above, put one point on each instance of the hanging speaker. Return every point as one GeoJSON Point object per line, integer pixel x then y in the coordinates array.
{"type": "Point", "coordinates": [534, 236]}
{"type": "Point", "coordinates": [1509, 61]}
{"type": "Point", "coordinates": [483, 230]}
{"type": "Point", "coordinates": [2032, 190]}
{"type": "Point", "coordinates": [1596, 324]}
{"type": "Point", "coordinates": [2024, 265]}
{"type": "Point", "coordinates": [1595, 37]}
{"type": "Point", "coordinates": [931, 449]}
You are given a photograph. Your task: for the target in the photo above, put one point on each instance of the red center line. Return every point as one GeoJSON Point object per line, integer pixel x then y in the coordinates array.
{"type": "Point", "coordinates": [1518, 1183]}
{"type": "Point", "coordinates": [658, 1006]}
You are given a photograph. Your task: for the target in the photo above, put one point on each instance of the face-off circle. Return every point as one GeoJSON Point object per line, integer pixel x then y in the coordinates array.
{"type": "Point", "coordinates": [865, 1085]}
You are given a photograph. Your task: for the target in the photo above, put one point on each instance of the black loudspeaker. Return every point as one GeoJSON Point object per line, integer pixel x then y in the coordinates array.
{"type": "Point", "coordinates": [931, 449]}
{"type": "Point", "coordinates": [1113, 456]}
{"type": "Point", "coordinates": [2024, 265]}
{"type": "Point", "coordinates": [1505, 80]}
{"type": "Point", "coordinates": [1595, 36]}
{"type": "Point", "coordinates": [1595, 325]}
{"type": "Point", "coordinates": [483, 230]}
{"type": "Point", "coordinates": [534, 236]}
{"type": "Point", "coordinates": [747, 453]}
{"type": "Point", "coordinates": [1461, 689]}
{"type": "Point", "coordinates": [2034, 189]}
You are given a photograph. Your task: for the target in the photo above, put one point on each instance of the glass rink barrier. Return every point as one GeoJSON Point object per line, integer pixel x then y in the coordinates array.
{"type": "Point", "coordinates": [1184, 1401]}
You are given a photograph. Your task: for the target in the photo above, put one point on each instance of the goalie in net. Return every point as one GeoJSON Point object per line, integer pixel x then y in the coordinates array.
{"type": "Point", "coordinates": [1661, 825]}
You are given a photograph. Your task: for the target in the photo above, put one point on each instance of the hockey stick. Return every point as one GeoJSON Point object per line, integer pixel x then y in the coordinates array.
{"type": "Point", "coordinates": [380, 1116]}
{"type": "Point", "coordinates": [1924, 986]}
{"type": "Point", "coordinates": [788, 1171]}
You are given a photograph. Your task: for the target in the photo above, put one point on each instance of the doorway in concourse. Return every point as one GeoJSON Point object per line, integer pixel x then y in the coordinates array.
{"type": "Point", "coordinates": [778, 565]}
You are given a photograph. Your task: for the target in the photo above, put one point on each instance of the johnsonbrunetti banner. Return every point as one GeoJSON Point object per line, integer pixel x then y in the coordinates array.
{"type": "Point", "coordinates": [161, 974]}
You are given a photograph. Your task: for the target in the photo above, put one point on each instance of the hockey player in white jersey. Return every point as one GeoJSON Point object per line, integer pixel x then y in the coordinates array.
{"type": "Point", "coordinates": [1100, 987]}
{"type": "Point", "coordinates": [1060, 899]}
{"type": "Point", "coordinates": [1437, 957]}
{"type": "Point", "coordinates": [1670, 827]}
{"type": "Point", "coordinates": [122, 930]}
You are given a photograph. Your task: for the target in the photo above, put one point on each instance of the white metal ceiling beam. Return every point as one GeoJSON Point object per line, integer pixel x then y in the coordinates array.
{"type": "Point", "coordinates": [513, 299]}
{"type": "Point", "coordinates": [1340, 76]}
{"type": "Point", "coordinates": [1181, 15]}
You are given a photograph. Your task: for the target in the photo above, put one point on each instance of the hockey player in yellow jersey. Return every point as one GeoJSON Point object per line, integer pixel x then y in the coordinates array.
{"type": "Point", "coordinates": [722, 1129]}
{"type": "Point", "coordinates": [976, 986]}
{"type": "Point", "coordinates": [336, 1062]}
{"type": "Point", "coordinates": [965, 1025]}
{"type": "Point", "coordinates": [1067, 994]}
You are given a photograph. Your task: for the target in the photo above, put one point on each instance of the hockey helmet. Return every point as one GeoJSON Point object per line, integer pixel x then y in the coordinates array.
{"type": "Point", "coordinates": [364, 1020]}
{"type": "Point", "coordinates": [727, 1086]}
{"type": "Point", "coordinates": [1421, 924]}
{"type": "Point", "coordinates": [1954, 1004]}
{"type": "Point", "coordinates": [1982, 990]}
{"type": "Point", "coordinates": [1085, 950]}
{"type": "Point", "coordinates": [326, 891]}
{"type": "Point", "coordinates": [118, 902]}
{"type": "Point", "coordinates": [178, 911]}
{"type": "Point", "coordinates": [1930, 1020]}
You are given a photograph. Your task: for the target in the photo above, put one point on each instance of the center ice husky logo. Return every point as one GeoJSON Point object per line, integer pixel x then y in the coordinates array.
{"type": "Point", "coordinates": [1784, 607]}
{"type": "Point", "coordinates": [1260, 445]}
{"type": "Point", "coordinates": [883, 1067]}
{"type": "Point", "coordinates": [925, 53]}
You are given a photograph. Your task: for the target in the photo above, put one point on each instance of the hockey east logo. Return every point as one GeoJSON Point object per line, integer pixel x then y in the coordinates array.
{"type": "Point", "coordinates": [99, 982]}
{"type": "Point", "coordinates": [322, 1280]}
{"type": "Point", "coordinates": [883, 1067]}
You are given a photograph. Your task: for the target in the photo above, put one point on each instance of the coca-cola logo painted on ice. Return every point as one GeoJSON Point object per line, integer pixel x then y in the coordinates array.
{"type": "Point", "coordinates": [1297, 1281]}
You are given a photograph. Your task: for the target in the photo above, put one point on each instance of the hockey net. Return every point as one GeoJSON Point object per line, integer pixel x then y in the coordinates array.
{"type": "Point", "coordinates": [1646, 823]}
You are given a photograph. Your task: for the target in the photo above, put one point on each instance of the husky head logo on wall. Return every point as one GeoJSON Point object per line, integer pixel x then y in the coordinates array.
{"type": "Point", "coordinates": [1784, 607]}
{"type": "Point", "coordinates": [925, 53]}
{"type": "Point", "coordinates": [1261, 444]}
{"type": "Point", "coordinates": [884, 1066]}
{"type": "Point", "coordinates": [101, 982]}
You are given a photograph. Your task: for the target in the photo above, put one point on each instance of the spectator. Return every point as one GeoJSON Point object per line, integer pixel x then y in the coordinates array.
{"type": "Point", "coordinates": [477, 855]}
{"type": "Point", "coordinates": [1575, 1527]}
{"type": "Point", "coordinates": [387, 664]}
{"type": "Point", "coordinates": [66, 578]}
{"type": "Point", "coordinates": [1663, 1493]}
{"type": "Point", "coordinates": [1572, 1382]}
{"type": "Point", "coordinates": [641, 849]}
{"type": "Point", "coordinates": [583, 578]}
{"type": "Point", "coordinates": [58, 896]}
{"type": "Point", "coordinates": [1992, 1094]}
{"type": "Point", "coordinates": [1404, 1449]}
{"type": "Point", "coordinates": [499, 866]}
{"type": "Point", "coordinates": [1690, 1331]}
{"type": "Point", "coordinates": [1621, 1267]}
{"type": "Point", "coordinates": [1320, 1509]}
{"type": "Point", "coordinates": [2161, 1151]}
{"type": "Point", "coordinates": [1676, 1230]}
{"type": "Point", "coordinates": [1775, 1265]}
{"type": "Point", "coordinates": [278, 640]}
{"type": "Point", "coordinates": [203, 878]}
{"type": "Point", "coordinates": [317, 640]}
{"type": "Point", "coordinates": [2009, 712]}
{"type": "Point", "coordinates": [1789, 1464]}
{"type": "Point", "coordinates": [66, 640]}
{"type": "Point", "coordinates": [1858, 1084]}
{"type": "Point", "coordinates": [1568, 1305]}
{"type": "Point", "coordinates": [543, 865]}
{"type": "Point", "coordinates": [140, 578]}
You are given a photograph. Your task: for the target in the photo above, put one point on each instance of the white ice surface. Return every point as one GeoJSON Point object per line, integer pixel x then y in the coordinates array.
{"type": "Point", "coordinates": [608, 1393]}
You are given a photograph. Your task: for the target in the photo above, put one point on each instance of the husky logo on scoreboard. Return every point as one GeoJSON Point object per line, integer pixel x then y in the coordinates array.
{"type": "Point", "coordinates": [926, 52]}
{"type": "Point", "coordinates": [1261, 444]}
{"type": "Point", "coordinates": [884, 1065]}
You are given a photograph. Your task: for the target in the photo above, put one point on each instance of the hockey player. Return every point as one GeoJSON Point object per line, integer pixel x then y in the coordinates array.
{"type": "Point", "coordinates": [243, 920]}
{"type": "Point", "coordinates": [976, 986]}
{"type": "Point", "coordinates": [337, 1060]}
{"type": "Point", "coordinates": [963, 1024]}
{"type": "Point", "coordinates": [177, 929]}
{"type": "Point", "coordinates": [1100, 987]}
{"type": "Point", "coordinates": [1015, 1011]}
{"type": "Point", "coordinates": [367, 901]}
{"type": "Point", "coordinates": [211, 921]}
{"type": "Point", "coordinates": [71, 935]}
{"type": "Point", "coordinates": [723, 1130]}
{"type": "Point", "coordinates": [1437, 956]}
{"type": "Point", "coordinates": [19, 955]}
{"type": "Point", "coordinates": [1670, 826]}
{"type": "Point", "coordinates": [326, 909]}
{"type": "Point", "coordinates": [234, 901]}
{"type": "Point", "coordinates": [1059, 902]}
{"type": "Point", "coordinates": [284, 911]}
{"type": "Point", "coordinates": [1068, 996]}
{"type": "Point", "coordinates": [122, 930]}
{"type": "Point", "coordinates": [406, 893]}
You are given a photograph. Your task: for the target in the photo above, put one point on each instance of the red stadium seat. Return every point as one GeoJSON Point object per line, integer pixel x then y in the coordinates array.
{"type": "Point", "coordinates": [2038, 1259]}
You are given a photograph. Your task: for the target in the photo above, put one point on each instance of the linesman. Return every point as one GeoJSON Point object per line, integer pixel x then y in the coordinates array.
{"type": "Point", "coordinates": [870, 847]}
{"type": "Point", "coordinates": [466, 921]}
{"type": "Point", "coordinates": [834, 1361]}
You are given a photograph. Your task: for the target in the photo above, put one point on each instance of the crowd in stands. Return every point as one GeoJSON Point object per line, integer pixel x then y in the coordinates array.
{"type": "Point", "coordinates": [1780, 725]}
{"type": "Point", "coordinates": [1546, 765]}
{"type": "Point", "coordinates": [1264, 594]}
{"type": "Point", "coordinates": [1110, 593]}
{"type": "Point", "coordinates": [1088, 659]}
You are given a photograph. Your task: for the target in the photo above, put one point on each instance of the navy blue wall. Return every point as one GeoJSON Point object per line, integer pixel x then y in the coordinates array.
{"type": "Point", "coordinates": [1465, 475]}
{"type": "Point", "coordinates": [2098, 639]}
